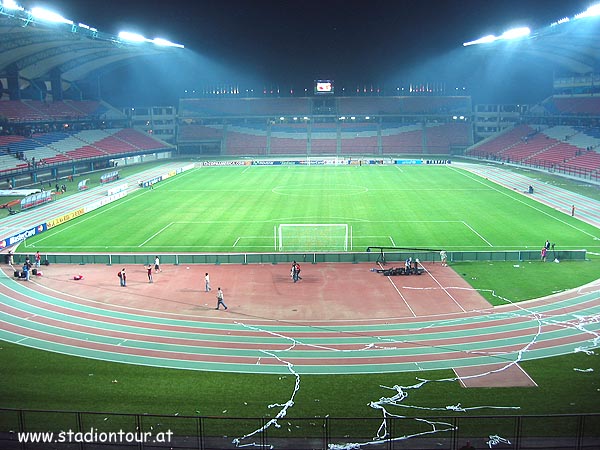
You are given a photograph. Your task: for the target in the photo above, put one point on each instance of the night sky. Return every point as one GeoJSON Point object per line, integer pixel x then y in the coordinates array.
{"type": "Point", "coordinates": [290, 44]}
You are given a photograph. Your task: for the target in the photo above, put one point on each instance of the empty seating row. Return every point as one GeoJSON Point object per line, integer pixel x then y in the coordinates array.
{"type": "Point", "coordinates": [559, 147]}
{"type": "Point", "coordinates": [298, 139]}
{"type": "Point", "coordinates": [52, 148]}
{"type": "Point", "coordinates": [38, 111]}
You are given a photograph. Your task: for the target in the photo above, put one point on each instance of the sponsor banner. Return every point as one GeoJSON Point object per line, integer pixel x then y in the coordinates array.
{"type": "Point", "coordinates": [408, 161]}
{"type": "Point", "coordinates": [151, 181]}
{"type": "Point", "coordinates": [226, 163]}
{"type": "Point", "coordinates": [164, 176]}
{"type": "Point", "coordinates": [65, 218]}
{"type": "Point", "coordinates": [15, 239]}
{"type": "Point", "coordinates": [117, 189]}
{"type": "Point", "coordinates": [438, 161]}
{"type": "Point", "coordinates": [105, 201]}
{"type": "Point", "coordinates": [312, 162]}
{"type": "Point", "coordinates": [184, 168]}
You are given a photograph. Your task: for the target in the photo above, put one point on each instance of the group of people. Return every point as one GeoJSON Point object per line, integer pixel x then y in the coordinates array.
{"type": "Point", "coordinates": [545, 249]}
{"type": "Point", "coordinates": [295, 272]}
{"type": "Point", "coordinates": [28, 265]}
{"type": "Point", "coordinates": [122, 274]}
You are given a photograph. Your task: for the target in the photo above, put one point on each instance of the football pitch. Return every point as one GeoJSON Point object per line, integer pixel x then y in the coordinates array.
{"type": "Point", "coordinates": [240, 210]}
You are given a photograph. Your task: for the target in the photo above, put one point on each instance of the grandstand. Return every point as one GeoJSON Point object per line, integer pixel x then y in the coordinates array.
{"type": "Point", "coordinates": [36, 111]}
{"type": "Point", "coordinates": [572, 150]}
{"type": "Point", "coordinates": [46, 154]}
{"type": "Point", "coordinates": [350, 126]}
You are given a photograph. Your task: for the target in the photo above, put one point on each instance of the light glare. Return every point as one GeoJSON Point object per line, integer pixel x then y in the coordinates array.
{"type": "Point", "coordinates": [11, 4]}
{"type": "Point", "coordinates": [50, 16]}
{"type": "Point", "coordinates": [516, 33]}
{"type": "Point", "coordinates": [592, 11]}
{"type": "Point", "coordinates": [133, 37]}
{"type": "Point", "coordinates": [166, 43]}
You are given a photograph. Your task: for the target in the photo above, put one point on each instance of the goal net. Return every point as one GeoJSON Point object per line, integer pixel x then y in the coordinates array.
{"type": "Point", "coordinates": [292, 237]}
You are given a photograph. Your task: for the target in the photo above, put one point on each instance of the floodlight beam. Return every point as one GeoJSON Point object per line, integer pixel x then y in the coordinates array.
{"type": "Point", "coordinates": [484, 40]}
{"type": "Point", "coordinates": [11, 5]}
{"type": "Point", "coordinates": [49, 16]}
{"type": "Point", "coordinates": [132, 37]}
{"type": "Point", "coordinates": [165, 43]}
{"type": "Point", "coordinates": [516, 33]}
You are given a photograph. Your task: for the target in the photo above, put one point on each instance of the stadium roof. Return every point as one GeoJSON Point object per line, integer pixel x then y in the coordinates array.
{"type": "Point", "coordinates": [571, 46]}
{"type": "Point", "coordinates": [37, 49]}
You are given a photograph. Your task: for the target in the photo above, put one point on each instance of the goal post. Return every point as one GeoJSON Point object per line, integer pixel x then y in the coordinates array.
{"type": "Point", "coordinates": [313, 237]}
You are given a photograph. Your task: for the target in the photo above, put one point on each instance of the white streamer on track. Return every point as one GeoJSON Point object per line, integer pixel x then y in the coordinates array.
{"type": "Point", "coordinates": [401, 393]}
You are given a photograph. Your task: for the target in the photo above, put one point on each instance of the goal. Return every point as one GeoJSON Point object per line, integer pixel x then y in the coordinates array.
{"type": "Point", "coordinates": [314, 237]}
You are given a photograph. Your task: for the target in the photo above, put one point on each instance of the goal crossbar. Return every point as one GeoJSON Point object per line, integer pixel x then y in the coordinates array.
{"type": "Point", "coordinates": [312, 237]}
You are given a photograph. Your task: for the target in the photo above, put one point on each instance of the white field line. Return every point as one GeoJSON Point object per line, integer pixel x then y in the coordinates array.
{"type": "Point", "coordinates": [479, 235]}
{"type": "Point", "coordinates": [500, 191]}
{"type": "Point", "coordinates": [444, 289]}
{"type": "Point", "coordinates": [156, 234]}
{"type": "Point", "coordinates": [393, 243]}
{"type": "Point", "coordinates": [399, 293]}
{"type": "Point", "coordinates": [93, 214]}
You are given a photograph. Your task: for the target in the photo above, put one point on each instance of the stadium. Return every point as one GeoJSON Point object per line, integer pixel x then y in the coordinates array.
{"type": "Point", "coordinates": [404, 265]}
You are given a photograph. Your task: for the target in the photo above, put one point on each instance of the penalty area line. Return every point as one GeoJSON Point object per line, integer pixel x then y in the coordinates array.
{"type": "Point", "coordinates": [156, 234]}
{"type": "Point", "coordinates": [478, 235]}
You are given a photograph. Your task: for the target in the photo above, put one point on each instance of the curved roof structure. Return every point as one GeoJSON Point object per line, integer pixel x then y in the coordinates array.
{"type": "Point", "coordinates": [37, 50]}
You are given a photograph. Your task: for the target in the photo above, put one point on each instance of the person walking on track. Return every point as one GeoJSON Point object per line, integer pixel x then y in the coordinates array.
{"type": "Point", "coordinates": [220, 299]}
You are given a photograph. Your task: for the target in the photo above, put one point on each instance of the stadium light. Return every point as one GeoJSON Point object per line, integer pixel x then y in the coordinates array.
{"type": "Point", "coordinates": [12, 5]}
{"type": "Point", "coordinates": [513, 33]}
{"type": "Point", "coordinates": [592, 11]}
{"type": "Point", "coordinates": [132, 37]}
{"type": "Point", "coordinates": [483, 40]}
{"type": "Point", "coordinates": [50, 16]}
{"type": "Point", "coordinates": [165, 43]}
{"type": "Point", "coordinates": [516, 33]}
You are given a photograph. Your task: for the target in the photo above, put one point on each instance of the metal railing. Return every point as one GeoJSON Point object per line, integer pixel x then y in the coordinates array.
{"type": "Point", "coordinates": [99, 430]}
{"type": "Point", "coordinates": [304, 257]}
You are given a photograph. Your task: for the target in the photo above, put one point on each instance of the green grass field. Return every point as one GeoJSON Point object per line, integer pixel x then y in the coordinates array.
{"type": "Point", "coordinates": [238, 209]}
